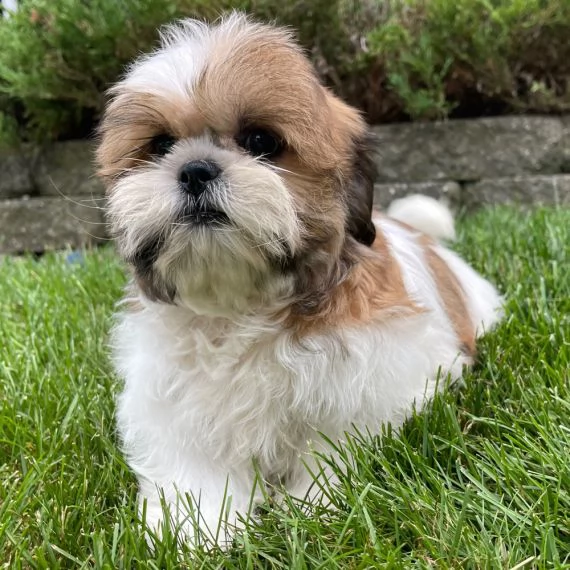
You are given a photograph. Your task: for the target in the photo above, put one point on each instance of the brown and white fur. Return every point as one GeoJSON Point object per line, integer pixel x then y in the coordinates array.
{"type": "Point", "coordinates": [291, 310]}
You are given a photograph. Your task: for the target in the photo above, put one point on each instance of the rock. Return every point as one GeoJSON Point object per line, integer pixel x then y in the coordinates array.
{"type": "Point", "coordinates": [469, 150]}
{"type": "Point", "coordinates": [15, 174]}
{"type": "Point", "coordinates": [39, 224]}
{"type": "Point", "coordinates": [530, 190]}
{"type": "Point", "coordinates": [67, 169]}
{"type": "Point", "coordinates": [448, 191]}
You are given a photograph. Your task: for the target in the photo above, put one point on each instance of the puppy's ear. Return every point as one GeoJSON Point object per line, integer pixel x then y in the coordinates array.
{"type": "Point", "coordinates": [360, 192]}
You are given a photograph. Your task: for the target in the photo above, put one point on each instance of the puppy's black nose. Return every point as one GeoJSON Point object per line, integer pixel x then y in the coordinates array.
{"type": "Point", "coordinates": [195, 175]}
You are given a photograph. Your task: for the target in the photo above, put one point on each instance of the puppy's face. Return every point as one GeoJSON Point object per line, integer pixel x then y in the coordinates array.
{"type": "Point", "coordinates": [231, 171]}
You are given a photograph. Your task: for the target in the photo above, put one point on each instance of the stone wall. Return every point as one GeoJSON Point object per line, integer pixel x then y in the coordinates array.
{"type": "Point", "coordinates": [523, 160]}
{"type": "Point", "coordinates": [49, 198]}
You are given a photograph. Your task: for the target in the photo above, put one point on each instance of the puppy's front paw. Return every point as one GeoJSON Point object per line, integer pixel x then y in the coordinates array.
{"type": "Point", "coordinates": [189, 523]}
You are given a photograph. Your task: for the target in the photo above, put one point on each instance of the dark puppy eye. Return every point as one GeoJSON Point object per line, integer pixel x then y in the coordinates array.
{"type": "Point", "coordinates": [260, 142]}
{"type": "Point", "coordinates": [161, 145]}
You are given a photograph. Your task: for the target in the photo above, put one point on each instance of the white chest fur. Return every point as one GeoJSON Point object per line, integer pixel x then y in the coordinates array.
{"type": "Point", "coordinates": [243, 391]}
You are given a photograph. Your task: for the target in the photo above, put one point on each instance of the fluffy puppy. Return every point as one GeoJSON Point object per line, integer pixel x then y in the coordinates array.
{"type": "Point", "coordinates": [268, 305]}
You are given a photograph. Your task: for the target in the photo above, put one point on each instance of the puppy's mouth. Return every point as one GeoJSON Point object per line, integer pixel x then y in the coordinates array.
{"type": "Point", "coordinates": [204, 216]}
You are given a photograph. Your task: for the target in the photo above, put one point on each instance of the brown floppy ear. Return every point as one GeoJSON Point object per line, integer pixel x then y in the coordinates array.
{"type": "Point", "coordinates": [360, 192]}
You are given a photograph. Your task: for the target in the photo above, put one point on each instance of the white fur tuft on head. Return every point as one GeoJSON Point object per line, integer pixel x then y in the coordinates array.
{"type": "Point", "coordinates": [424, 214]}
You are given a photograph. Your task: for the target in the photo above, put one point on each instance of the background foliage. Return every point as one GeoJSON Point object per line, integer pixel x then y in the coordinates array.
{"type": "Point", "coordinates": [395, 59]}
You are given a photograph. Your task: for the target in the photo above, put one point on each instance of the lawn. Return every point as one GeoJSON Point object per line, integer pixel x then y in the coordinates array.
{"type": "Point", "coordinates": [480, 479]}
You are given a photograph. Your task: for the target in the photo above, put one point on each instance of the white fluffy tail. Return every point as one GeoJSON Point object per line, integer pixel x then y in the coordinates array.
{"type": "Point", "coordinates": [425, 214]}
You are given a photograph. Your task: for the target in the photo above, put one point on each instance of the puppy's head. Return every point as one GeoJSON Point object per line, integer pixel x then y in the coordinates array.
{"type": "Point", "coordinates": [230, 170]}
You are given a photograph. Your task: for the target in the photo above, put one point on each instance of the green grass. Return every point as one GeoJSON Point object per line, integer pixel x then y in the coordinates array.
{"type": "Point", "coordinates": [480, 479]}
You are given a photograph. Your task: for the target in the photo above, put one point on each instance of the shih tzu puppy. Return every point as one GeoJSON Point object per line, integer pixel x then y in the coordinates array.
{"type": "Point", "coordinates": [269, 305]}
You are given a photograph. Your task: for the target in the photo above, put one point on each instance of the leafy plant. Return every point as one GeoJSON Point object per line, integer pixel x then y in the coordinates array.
{"type": "Point", "coordinates": [395, 59]}
{"type": "Point", "coordinates": [59, 57]}
{"type": "Point", "coordinates": [444, 56]}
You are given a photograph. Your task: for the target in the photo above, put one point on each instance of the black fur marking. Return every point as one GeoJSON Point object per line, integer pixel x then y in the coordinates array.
{"type": "Point", "coordinates": [145, 257]}
{"type": "Point", "coordinates": [284, 262]}
{"type": "Point", "coordinates": [360, 193]}
{"type": "Point", "coordinates": [150, 282]}
{"type": "Point", "coordinates": [316, 278]}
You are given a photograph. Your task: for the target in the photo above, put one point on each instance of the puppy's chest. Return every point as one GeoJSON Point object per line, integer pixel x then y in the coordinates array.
{"type": "Point", "coordinates": [233, 376]}
{"type": "Point", "coordinates": [228, 364]}
{"type": "Point", "coordinates": [234, 370]}
{"type": "Point", "coordinates": [254, 389]}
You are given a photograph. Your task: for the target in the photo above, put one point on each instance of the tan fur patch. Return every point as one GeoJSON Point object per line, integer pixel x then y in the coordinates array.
{"type": "Point", "coordinates": [371, 289]}
{"type": "Point", "coordinates": [132, 119]}
{"type": "Point", "coordinates": [452, 296]}
{"type": "Point", "coordinates": [266, 81]}
{"type": "Point", "coordinates": [316, 197]}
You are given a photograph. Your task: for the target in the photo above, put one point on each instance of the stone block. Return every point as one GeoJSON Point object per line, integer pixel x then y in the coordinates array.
{"type": "Point", "coordinates": [67, 169]}
{"type": "Point", "coordinates": [40, 224]}
{"type": "Point", "coordinates": [524, 190]}
{"type": "Point", "coordinates": [470, 150]}
{"type": "Point", "coordinates": [15, 173]}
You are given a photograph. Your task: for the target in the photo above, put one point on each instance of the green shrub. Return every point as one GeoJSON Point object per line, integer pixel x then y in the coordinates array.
{"type": "Point", "coordinates": [395, 59]}
{"type": "Point", "coordinates": [9, 127]}
{"type": "Point", "coordinates": [442, 56]}
{"type": "Point", "coordinates": [59, 56]}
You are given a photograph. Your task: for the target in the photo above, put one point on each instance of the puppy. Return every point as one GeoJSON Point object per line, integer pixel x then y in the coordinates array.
{"type": "Point", "coordinates": [268, 305]}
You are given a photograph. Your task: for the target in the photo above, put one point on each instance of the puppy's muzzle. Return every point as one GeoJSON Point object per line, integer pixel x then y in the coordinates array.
{"type": "Point", "coordinates": [195, 176]}
{"type": "Point", "coordinates": [195, 180]}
